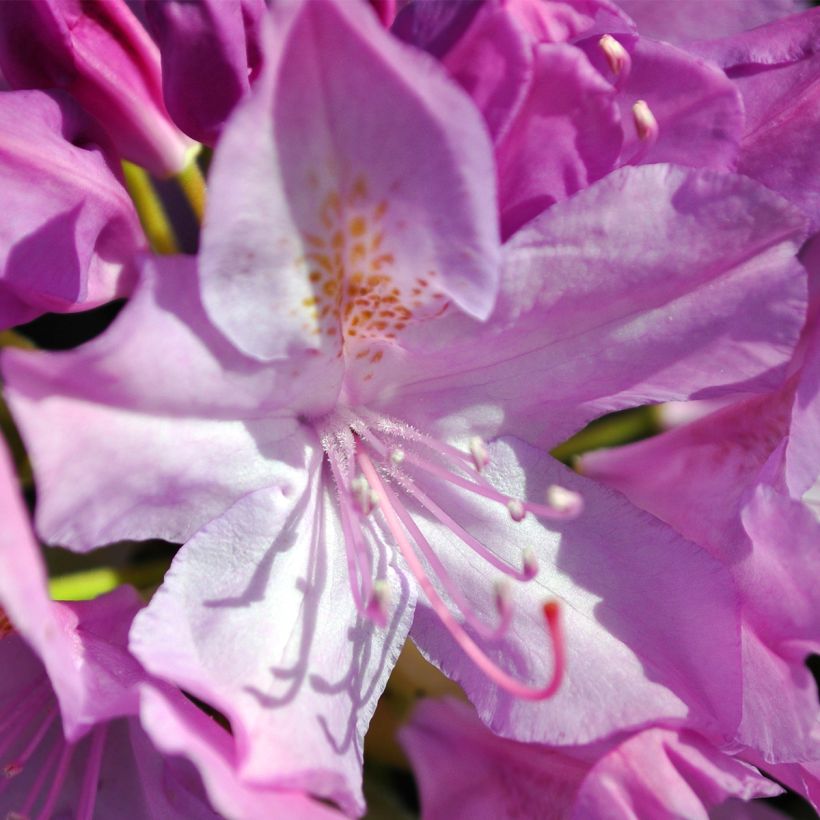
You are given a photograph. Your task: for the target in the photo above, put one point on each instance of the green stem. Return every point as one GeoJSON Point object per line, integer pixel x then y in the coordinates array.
{"type": "Point", "coordinates": [150, 209]}
{"type": "Point", "coordinates": [192, 183]}
{"type": "Point", "coordinates": [82, 586]}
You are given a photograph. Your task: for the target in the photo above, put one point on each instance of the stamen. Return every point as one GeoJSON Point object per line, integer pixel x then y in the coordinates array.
{"type": "Point", "coordinates": [473, 651]}
{"type": "Point", "coordinates": [479, 453]}
{"type": "Point", "coordinates": [452, 588]}
{"type": "Point", "coordinates": [471, 541]}
{"type": "Point", "coordinates": [617, 58]}
{"type": "Point", "coordinates": [358, 556]}
{"type": "Point", "coordinates": [378, 608]}
{"type": "Point", "coordinates": [57, 785]}
{"type": "Point", "coordinates": [516, 508]}
{"type": "Point", "coordinates": [366, 499]}
{"type": "Point", "coordinates": [563, 500]}
{"type": "Point", "coordinates": [646, 127]}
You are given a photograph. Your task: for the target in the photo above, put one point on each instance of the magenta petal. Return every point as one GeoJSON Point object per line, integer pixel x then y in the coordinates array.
{"type": "Point", "coordinates": [681, 20]}
{"type": "Point", "coordinates": [255, 617]}
{"type": "Point", "coordinates": [492, 61]}
{"type": "Point", "coordinates": [347, 134]}
{"type": "Point", "coordinates": [624, 581]}
{"type": "Point", "coordinates": [210, 53]}
{"type": "Point", "coordinates": [69, 231]}
{"type": "Point", "coordinates": [566, 135]}
{"type": "Point", "coordinates": [170, 423]}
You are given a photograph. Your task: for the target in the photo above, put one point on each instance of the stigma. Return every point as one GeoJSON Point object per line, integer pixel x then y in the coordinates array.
{"type": "Point", "coordinates": [383, 469]}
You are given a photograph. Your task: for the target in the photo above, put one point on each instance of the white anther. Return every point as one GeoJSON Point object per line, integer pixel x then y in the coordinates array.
{"type": "Point", "coordinates": [478, 452]}
{"type": "Point", "coordinates": [529, 563]}
{"type": "Point", "coordinates": [366, 499]}
{"type": "Point", "coordinates": [645, 123]}
{"type": "Point", "coordinates": [562, 499]}
{"type": "Point", "coordinates": [616, 55]}
{"type": "Point", "coordinates": [397, 456]}
{"type": "Point", "coordinates": [380, 596]}
{"type": "Point", "coordinates": [516, 509]}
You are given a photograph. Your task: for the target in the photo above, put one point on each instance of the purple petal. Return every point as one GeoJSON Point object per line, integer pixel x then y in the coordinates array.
{"type": "Point", "coordinates": [777, 70]}
{"type": "Point", "coordinates": [256, 618]}
{"type": "Point", "coordinates": [347, 134]}
{"type": "Point", "coordinates": [698, 109]}
{"type": "Point", "coordinates": [101, 54]}
{"type": "Point", "coordinates": [566, 135]}
{"type": "Point", "coordinates": [210, 53]}
{"type": "Point", "coordinates": [69, 230]}
{"type": "Point", "coordinates": [681, 20]}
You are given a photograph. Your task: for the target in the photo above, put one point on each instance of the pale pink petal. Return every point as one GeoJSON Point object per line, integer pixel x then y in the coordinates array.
{"type": "Point", "coordinates": [352, 146]}
{"type": "Point", "coordinates": [159, 424]}
{"type": "Point", "coordinates": [256, 618]}
{"type": "Point", "coordinates": [656, 283]}
{"type": "Point", "coordinates": [661, 773]}
{"type": "Point", "coordinates": [624, 581]}
{"type": "Point", "coordinates": [178, 728]}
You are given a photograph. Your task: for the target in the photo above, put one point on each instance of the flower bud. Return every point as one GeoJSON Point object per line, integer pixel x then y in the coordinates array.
{"type": "Point", "coordinates": [99, 53]}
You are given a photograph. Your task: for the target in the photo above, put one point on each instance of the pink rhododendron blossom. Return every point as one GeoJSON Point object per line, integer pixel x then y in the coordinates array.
{"type": "Point", "coordinates": [71, 698]}
{"type": "Point", "coordinates": [210, 55]}
{"type": "Point", "coordinates": [101, 55]}
{"type": "Point", "coordinates": [342, 407]}
{"type": "Point", "coordinates": [287, 609]}
{"type": "Point", "coordinates": [661, 772]}
{"type": "Point", "coordinates": [69, 230]}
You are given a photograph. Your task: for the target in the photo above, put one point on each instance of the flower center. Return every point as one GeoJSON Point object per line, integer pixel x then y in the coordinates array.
{"type": "Point", "coordinates": [376, 464]}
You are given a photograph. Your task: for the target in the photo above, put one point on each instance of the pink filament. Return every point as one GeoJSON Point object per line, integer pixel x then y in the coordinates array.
{"type": "Point", "coordinates": [468, 645]}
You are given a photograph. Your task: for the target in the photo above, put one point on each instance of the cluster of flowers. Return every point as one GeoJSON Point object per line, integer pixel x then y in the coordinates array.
{"type": "Point", "coordinates": [439, 240]}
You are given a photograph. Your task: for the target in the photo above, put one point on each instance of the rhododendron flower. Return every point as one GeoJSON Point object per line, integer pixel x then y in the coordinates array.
{"type": "Point", "coordinates": [69, 231]}
{"type": "Point", "coordinates": [71, 698]}
{"type": "Point", "coordinates": [313, 417]}
{"type": "Point", "coordinates": [658, 772]}
{"type": "Point", "coordinates": [100, 53]}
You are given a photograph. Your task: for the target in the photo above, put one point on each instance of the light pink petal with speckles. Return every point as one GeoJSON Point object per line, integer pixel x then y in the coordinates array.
{"type": "Point", "coordinates": [355, 169]}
